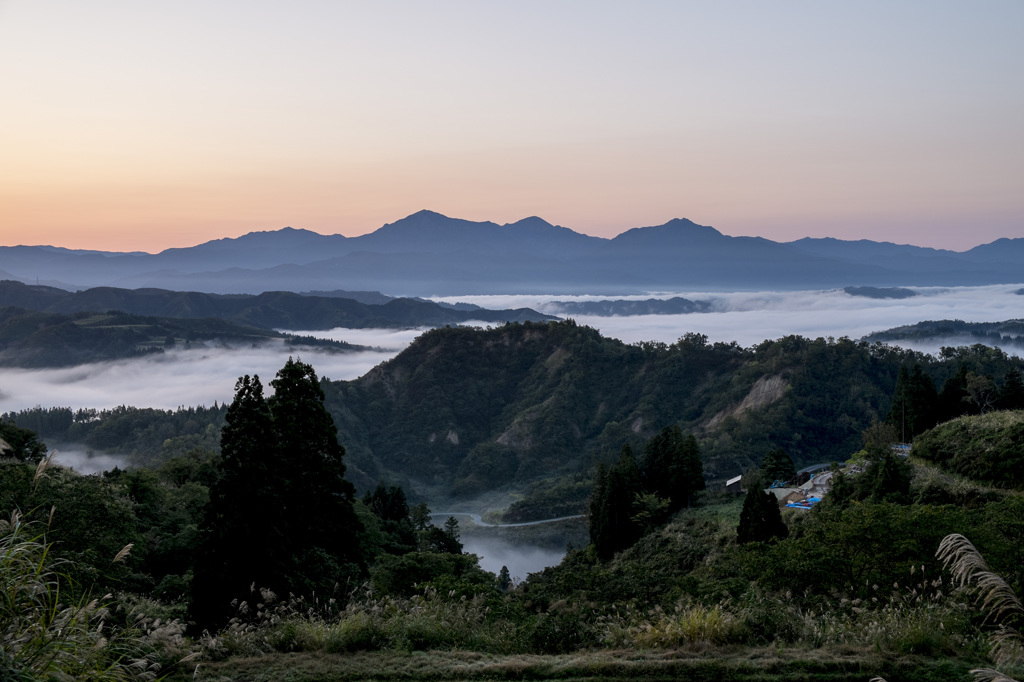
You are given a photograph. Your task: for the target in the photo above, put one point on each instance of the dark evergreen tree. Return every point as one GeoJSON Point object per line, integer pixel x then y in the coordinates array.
{"type": "Point", "coordinates": [914, 402]}
{"type": "Point", "coordinates": [388, 502]}
{"type": "Point", "coordinates": [443, 540]}
{"type": "Point", "coordinates": [841, 491]}
{"type": "Point", "coordinates": [953, 400]}
{"type": "Point", "coordinates": [504, 581]}
{"type": "Point", "coordinates": [597, 509]}
{"type": "Point", "coordinates": [612, 528]}
{"type": "Point", "coordinates": [242, 537]}
{"type": "Point", "coordinates": [1011, 393]}
{"type": "Point", "coordinates": [280, 517]}
{"type": "Point", "coordinates": [887, 477]}
{"type": "Point", "coordinates": [777, 466]}
{"type": "Point", "coordinates": [672, 467]}
{"type": "Point", "coordinates": [692, 470]}
{"type": "Point", "coordinates": [323, 531]}
{"type": "Point", "coordinates": [760, 519]}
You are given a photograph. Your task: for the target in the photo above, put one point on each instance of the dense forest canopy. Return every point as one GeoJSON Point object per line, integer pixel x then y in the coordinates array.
{"type": "Point", "coordinates": [245, 503]}
{"type": "Point", "coordinates": [465, 410]}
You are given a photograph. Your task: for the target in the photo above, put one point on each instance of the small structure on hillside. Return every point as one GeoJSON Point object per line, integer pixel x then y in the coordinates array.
{"type": "Point", "coordinates": [733, 485]}
{"type": "Point", "coordinates": [807, 494]}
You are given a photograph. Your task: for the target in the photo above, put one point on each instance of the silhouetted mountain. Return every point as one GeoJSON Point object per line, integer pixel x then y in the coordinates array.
{"type": "Point", "coordinates": [651, 306]}
{"type": "Point", "coordinates": [427, 254]}
{"type": "Point", "coordinates": [883, 292]}
{"type": "Point", "coordinates": [35, 339]}
{"type": "Point", "coordinates": [1008, 334]}
{"type": "Point", "coordinates": [270, 310]}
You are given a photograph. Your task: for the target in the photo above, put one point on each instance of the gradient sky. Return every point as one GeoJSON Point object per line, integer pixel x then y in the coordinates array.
{"type": "Point", "coordinates": [128, 125]}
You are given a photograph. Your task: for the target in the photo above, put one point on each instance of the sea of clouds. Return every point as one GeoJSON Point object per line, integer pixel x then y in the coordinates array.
{"type": "Point", "coordinates": [202, 376]}
{"type": "Point", "coordinates": [750, 317]}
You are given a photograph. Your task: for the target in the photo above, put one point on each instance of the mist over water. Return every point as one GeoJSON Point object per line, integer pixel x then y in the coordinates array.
{"type": "Point", "coordinates": [202, 376]}
{"type": "Point", "coordinates": [521, 559]}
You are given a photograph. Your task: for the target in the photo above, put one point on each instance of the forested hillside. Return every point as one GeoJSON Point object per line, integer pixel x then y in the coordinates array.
{"type": "Point", "coordinates": [268, 310]}
{"type": "Point", "coordinates": [463, 410]}
{"type": "Point", "coordinates": [34, 339]}
{"type": "Point", "coordinates": [850, 588]}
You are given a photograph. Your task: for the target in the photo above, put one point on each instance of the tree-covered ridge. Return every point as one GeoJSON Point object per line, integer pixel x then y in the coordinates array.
{"type": "Point", "coordinates": [477, 409]}
{"type": "Point", "coordinates": [467, 410]}
{"type": "Point", "coordinates": [858, 574]}
{"type": "Point", "coordinates": [987, 447]}
{"type": "Point", "coordinates": [36, 339]}
{"type": "Point", "coordinates": [1007, 332]}
{"type": "Point", "coordinates": [269, 310]}
{"type": "Point", "coordinates": [146, 436]}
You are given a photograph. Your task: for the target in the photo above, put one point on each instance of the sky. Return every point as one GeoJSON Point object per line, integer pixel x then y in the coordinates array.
{"type": "Point", "coordinates": [130, 125]}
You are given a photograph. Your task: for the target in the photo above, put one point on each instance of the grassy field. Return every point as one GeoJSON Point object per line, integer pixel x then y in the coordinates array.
{"type": "Point", "coordinates": [698, 664]}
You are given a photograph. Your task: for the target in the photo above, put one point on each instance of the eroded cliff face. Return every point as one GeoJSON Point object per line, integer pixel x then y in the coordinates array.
{"type": "Point", "coordinates": [469, 410]}
{"type": "Point", "coordinates": [764, 392]}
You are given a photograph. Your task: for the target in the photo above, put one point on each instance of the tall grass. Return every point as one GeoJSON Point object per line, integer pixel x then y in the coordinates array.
{"type": "Point", "coordinates": [916, 619]}
{"type": "Point", "coordinates": [46, 632]}
{"type": "Point", "coordinates": [427, 621]}
{"type": "Point", "coordinates": [1002, 607]}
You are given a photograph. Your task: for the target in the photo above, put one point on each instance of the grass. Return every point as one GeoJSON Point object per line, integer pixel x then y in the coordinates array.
{"type": "Point", "coordinates": [699, 663]}
{"type": "Point", "coordinates": [48, 632]}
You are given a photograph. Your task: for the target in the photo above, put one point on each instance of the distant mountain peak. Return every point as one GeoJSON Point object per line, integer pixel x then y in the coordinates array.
{"type": "Point", "coordinates": [675, 229]}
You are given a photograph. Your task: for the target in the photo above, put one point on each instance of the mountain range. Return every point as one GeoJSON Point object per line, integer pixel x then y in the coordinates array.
{"type": "Point", "coordinates": [428, 254]}
{"type": "Point", "coordinates": [269, 310]}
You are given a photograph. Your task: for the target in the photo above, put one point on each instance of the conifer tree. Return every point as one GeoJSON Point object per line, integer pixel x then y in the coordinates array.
{"type": "Point", "coordinates": [914, 403]}
{"type": "Point", "coordinates": [760, 519]}
{"type": "Point", "coordinates": [672, 467]}
{"type": "Point", "coordinates": [952, 401]}
{"type": "Point", "coordinates": [1011, 394]}
{"type": "Point", "coordinates": [281, 515]}
{"type": "Point", "coordinates": [240, 523]}
{"type": "Point", "coordinates": [612, 527]}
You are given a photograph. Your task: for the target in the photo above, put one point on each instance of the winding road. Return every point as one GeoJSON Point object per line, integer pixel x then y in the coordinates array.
{"type": "Point", "coordinates": [480, 522]}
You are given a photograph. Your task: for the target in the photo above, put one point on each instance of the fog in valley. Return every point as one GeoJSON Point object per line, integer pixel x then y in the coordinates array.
{"type": "Point", "coordinates": [203, 376]}
{"type": "Point", "coordinates": [175, 378]}
{"type": "Point", "coordinates": [521, 559]}
{"type": "Point", "coordinates": [749, 317]}
{"type": "Point", "coordinates": [84, 460]}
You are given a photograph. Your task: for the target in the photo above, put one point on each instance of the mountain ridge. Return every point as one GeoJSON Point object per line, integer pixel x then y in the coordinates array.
{"type": "Point", "coordinates": [428, 254]}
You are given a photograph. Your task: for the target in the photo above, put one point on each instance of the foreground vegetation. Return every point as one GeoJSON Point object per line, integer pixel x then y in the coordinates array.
{"type": "Point", "coordinates": [257, 557]}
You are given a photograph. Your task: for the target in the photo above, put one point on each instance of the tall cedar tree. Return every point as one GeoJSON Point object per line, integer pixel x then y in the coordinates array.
{"type": "Point", "coordinates": [760, 519]}
{"type": "Point", "coordinates": [672, 467]}
{"type": "Point", "coordinates": [953, 400]}
{"type": "Point", "coordinates": [323, 531]}
{"type": "Point", "coordinates": [1011, 395]}
{"type": "Point", "coordinates": [914, 403]}
{"type": "Point", "coordinates": [281, 515]}
{"type": "Point", "coordinates": [612, 528]}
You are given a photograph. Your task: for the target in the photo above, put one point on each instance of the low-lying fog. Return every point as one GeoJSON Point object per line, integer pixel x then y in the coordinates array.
{"type": "Point", "coordinates": [200, 377]}
{"type": "Point", "coordinates": [521, 559]}
{"type": "Point", "coordinates": [750, 317]}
